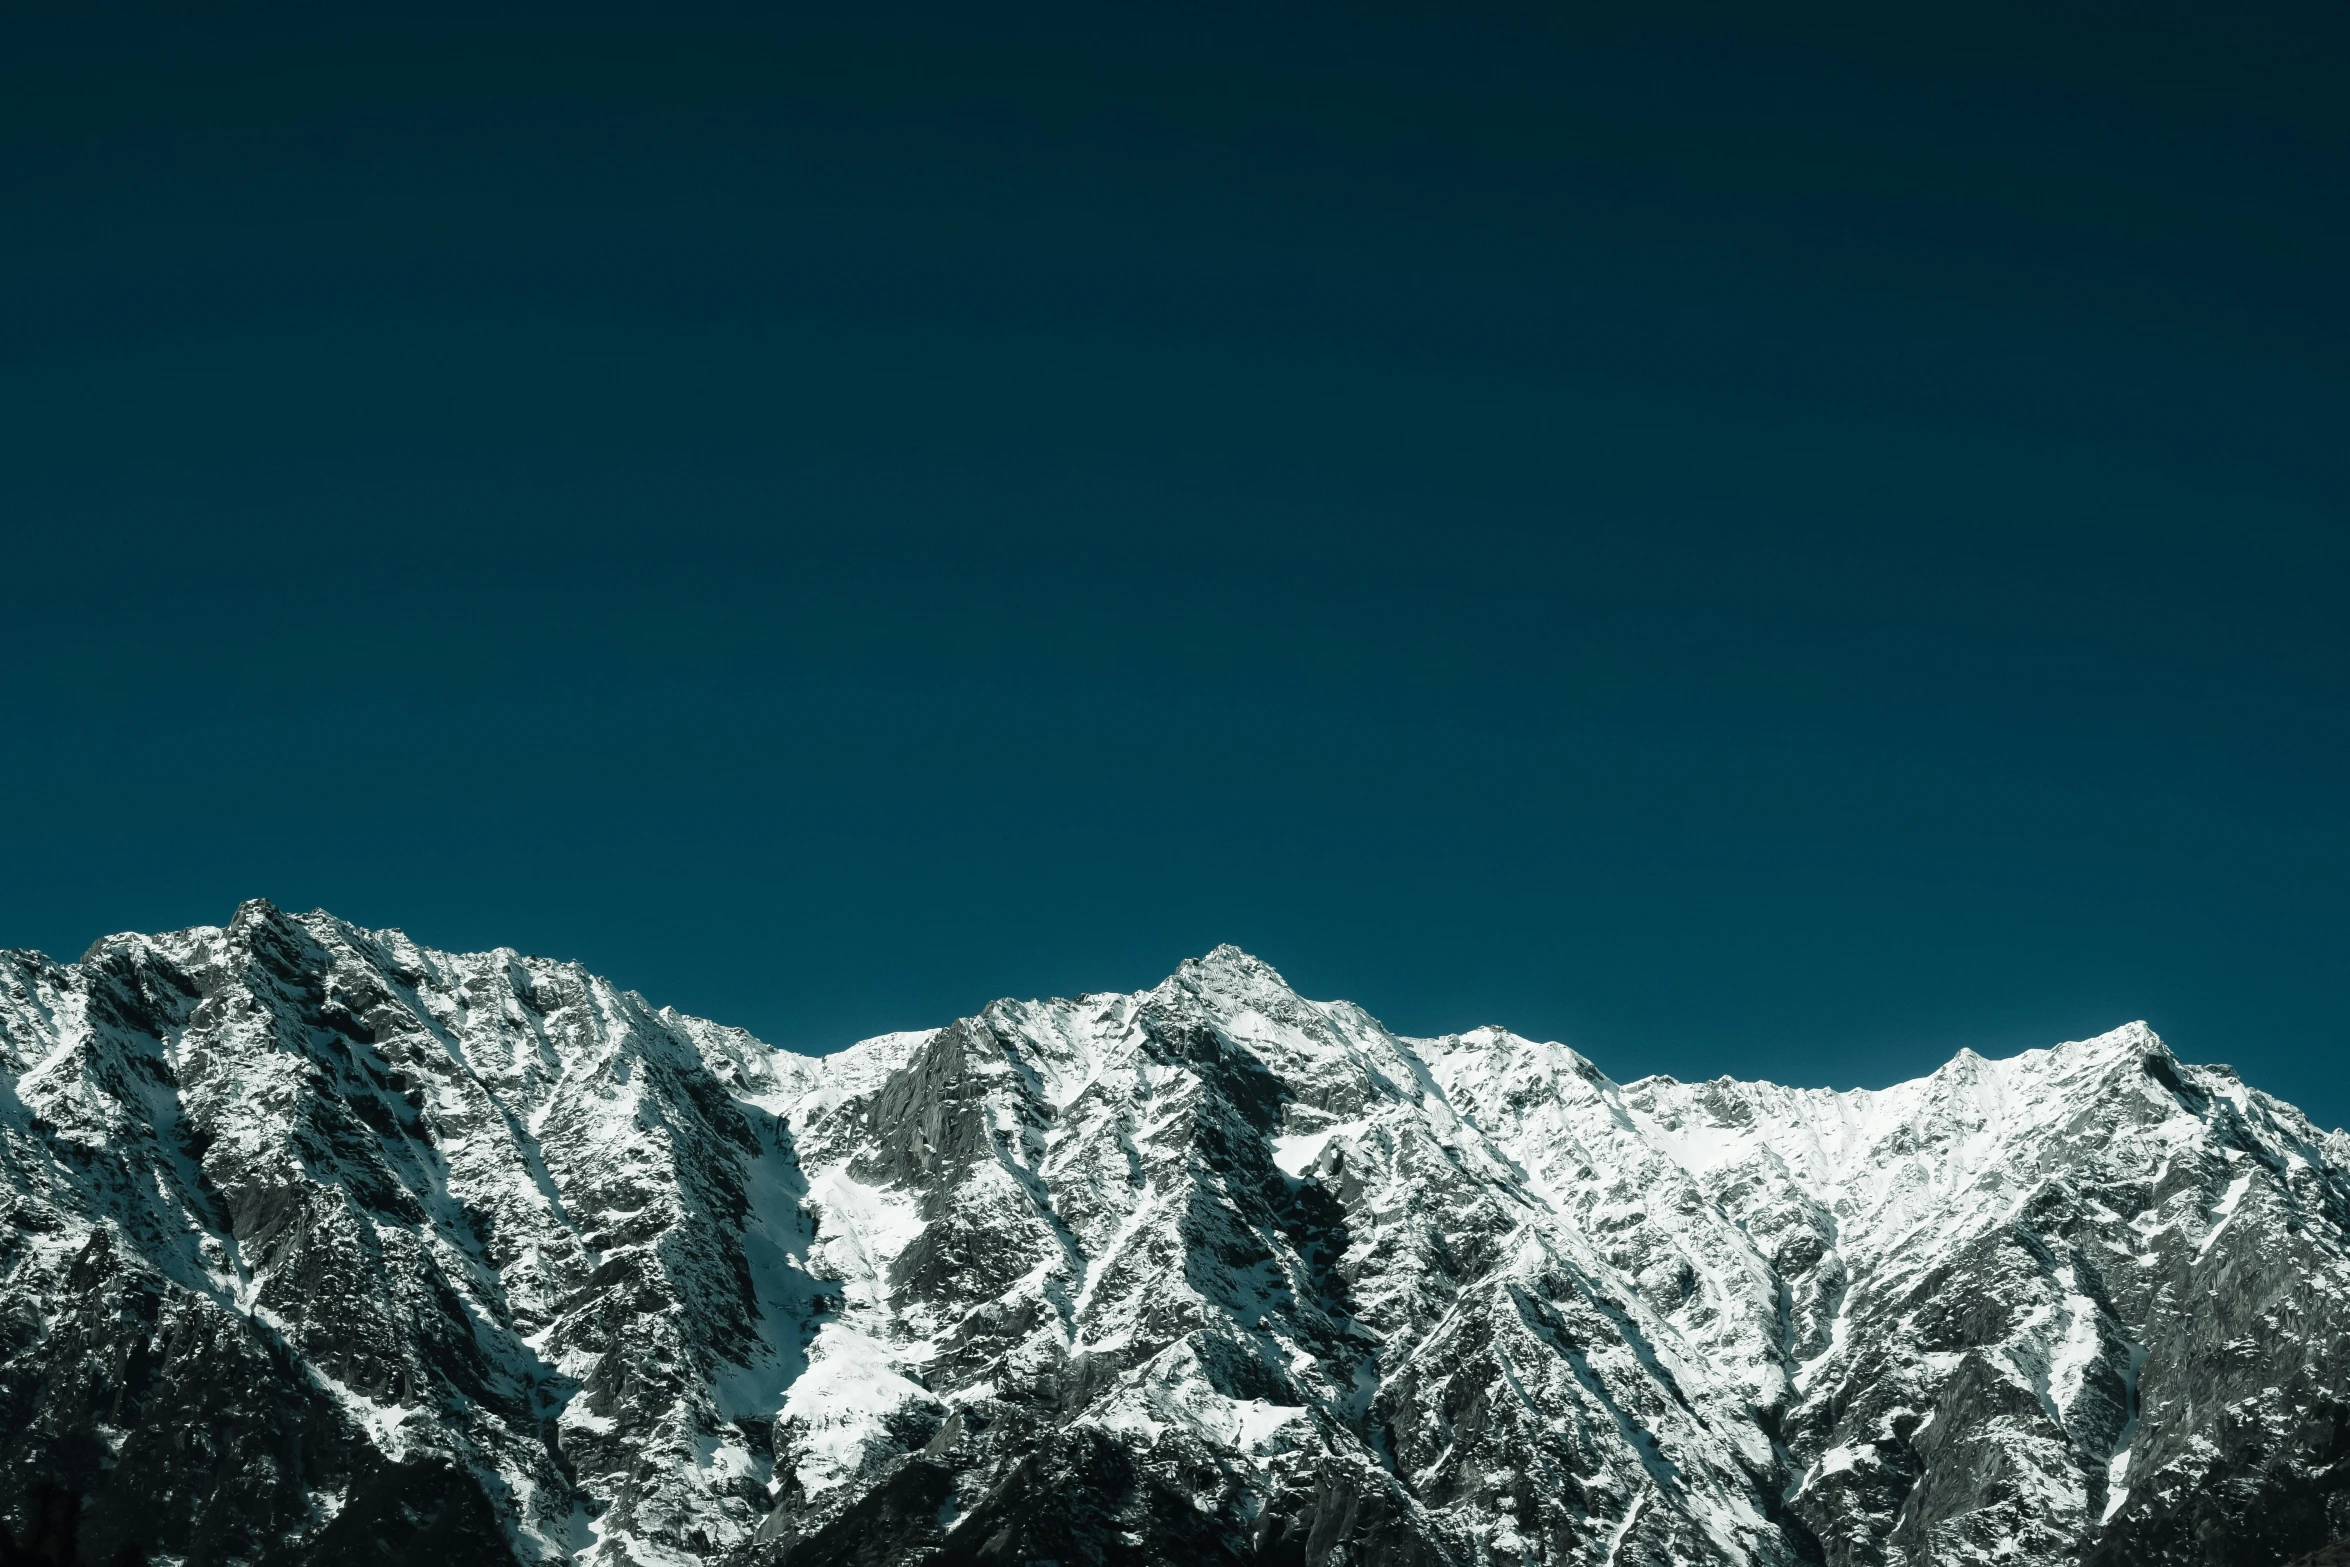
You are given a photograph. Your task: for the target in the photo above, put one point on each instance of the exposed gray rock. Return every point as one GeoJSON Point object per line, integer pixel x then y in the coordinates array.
{"type": "Point", "coordinates": [317, 1246]}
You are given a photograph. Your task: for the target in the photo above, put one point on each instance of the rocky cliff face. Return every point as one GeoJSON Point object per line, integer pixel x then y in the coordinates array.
{"type": "Point", "coordinates": [317, 1246]}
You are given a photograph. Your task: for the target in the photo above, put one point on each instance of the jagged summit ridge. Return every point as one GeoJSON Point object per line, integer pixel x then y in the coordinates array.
{"type": "Point", "coordinates": [321, 1244]}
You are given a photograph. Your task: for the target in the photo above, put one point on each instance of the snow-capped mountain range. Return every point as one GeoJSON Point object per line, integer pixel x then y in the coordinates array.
{"type": "Point", "coordinates": [318, 1246]}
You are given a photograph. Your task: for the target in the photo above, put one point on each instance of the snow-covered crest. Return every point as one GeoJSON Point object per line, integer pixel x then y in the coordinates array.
{"type": "Point", "coordinates": [1204, 1272]}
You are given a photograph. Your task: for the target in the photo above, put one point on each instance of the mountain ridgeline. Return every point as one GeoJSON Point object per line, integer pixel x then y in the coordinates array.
{"type": "Point", "coordinates": [318, 1247]}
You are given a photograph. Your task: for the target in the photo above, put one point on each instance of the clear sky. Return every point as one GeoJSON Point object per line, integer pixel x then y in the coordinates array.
{"type": "Point", "coordinates": [1783, 542]}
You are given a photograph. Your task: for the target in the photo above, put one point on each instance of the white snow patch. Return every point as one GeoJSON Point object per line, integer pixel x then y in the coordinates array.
{"type": "Point", "coordinates": [835, 1411]}
{"type": "Point", "coordinates": [2117, 1469]}
{"type": "Point", "coordinates": [1296, 1152]}
{"type": "Point", "coordinates": [1254, 1419]}
{"type": "Point", "coordinates": [864, 1227]}
{"type": "Point", "coordinates": [2070, 1358]}
{"type": "Point", "coordinates": [2227, 1210]}
{"type": "Point", "coordinates": [2117, 1480]}
{"type": "Point", "coordinates": [1615, 1539]}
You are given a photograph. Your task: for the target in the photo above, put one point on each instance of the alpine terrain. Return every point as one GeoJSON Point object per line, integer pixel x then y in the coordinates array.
{"type": "Point", "coordinates": [321, 1247]}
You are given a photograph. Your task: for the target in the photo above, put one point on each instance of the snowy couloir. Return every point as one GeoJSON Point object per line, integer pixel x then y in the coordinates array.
{"type": "Point", "coordinates": [318, 1246]}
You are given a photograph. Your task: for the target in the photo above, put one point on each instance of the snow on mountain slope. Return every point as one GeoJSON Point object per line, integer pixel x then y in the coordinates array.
{"type": "Point", "coordinates": [501, 1240]}
{"type": "Point", "coordinates": [2094, 1281]}
{"type": "Point", "coordinates": [320, 1245]}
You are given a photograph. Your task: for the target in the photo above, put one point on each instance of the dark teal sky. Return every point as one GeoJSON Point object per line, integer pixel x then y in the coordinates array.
{"type": "Point", "coordinates": [1773, 544]}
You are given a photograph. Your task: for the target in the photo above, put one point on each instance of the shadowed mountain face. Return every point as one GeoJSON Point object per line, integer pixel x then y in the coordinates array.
{"type": "Point", "coordinates": [317, 1246]}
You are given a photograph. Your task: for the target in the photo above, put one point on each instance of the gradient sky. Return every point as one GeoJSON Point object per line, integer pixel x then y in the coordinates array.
{"type": "Point", "coordinates": [1775, 545]}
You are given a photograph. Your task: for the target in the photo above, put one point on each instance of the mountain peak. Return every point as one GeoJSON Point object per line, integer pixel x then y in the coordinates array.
{"type": "Point", "coordinates": [255, 912]}
{"type": "Point", "coordinates": [2137, 1035]}
{"type": "Point", "coordinates": [1227, 965]}
{"type": "Point", "coordinates": [1204, 1272]}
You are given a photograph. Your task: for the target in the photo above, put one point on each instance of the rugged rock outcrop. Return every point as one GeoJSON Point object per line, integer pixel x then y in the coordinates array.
{"type": "Point", "coordinates": [317, 1246]}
